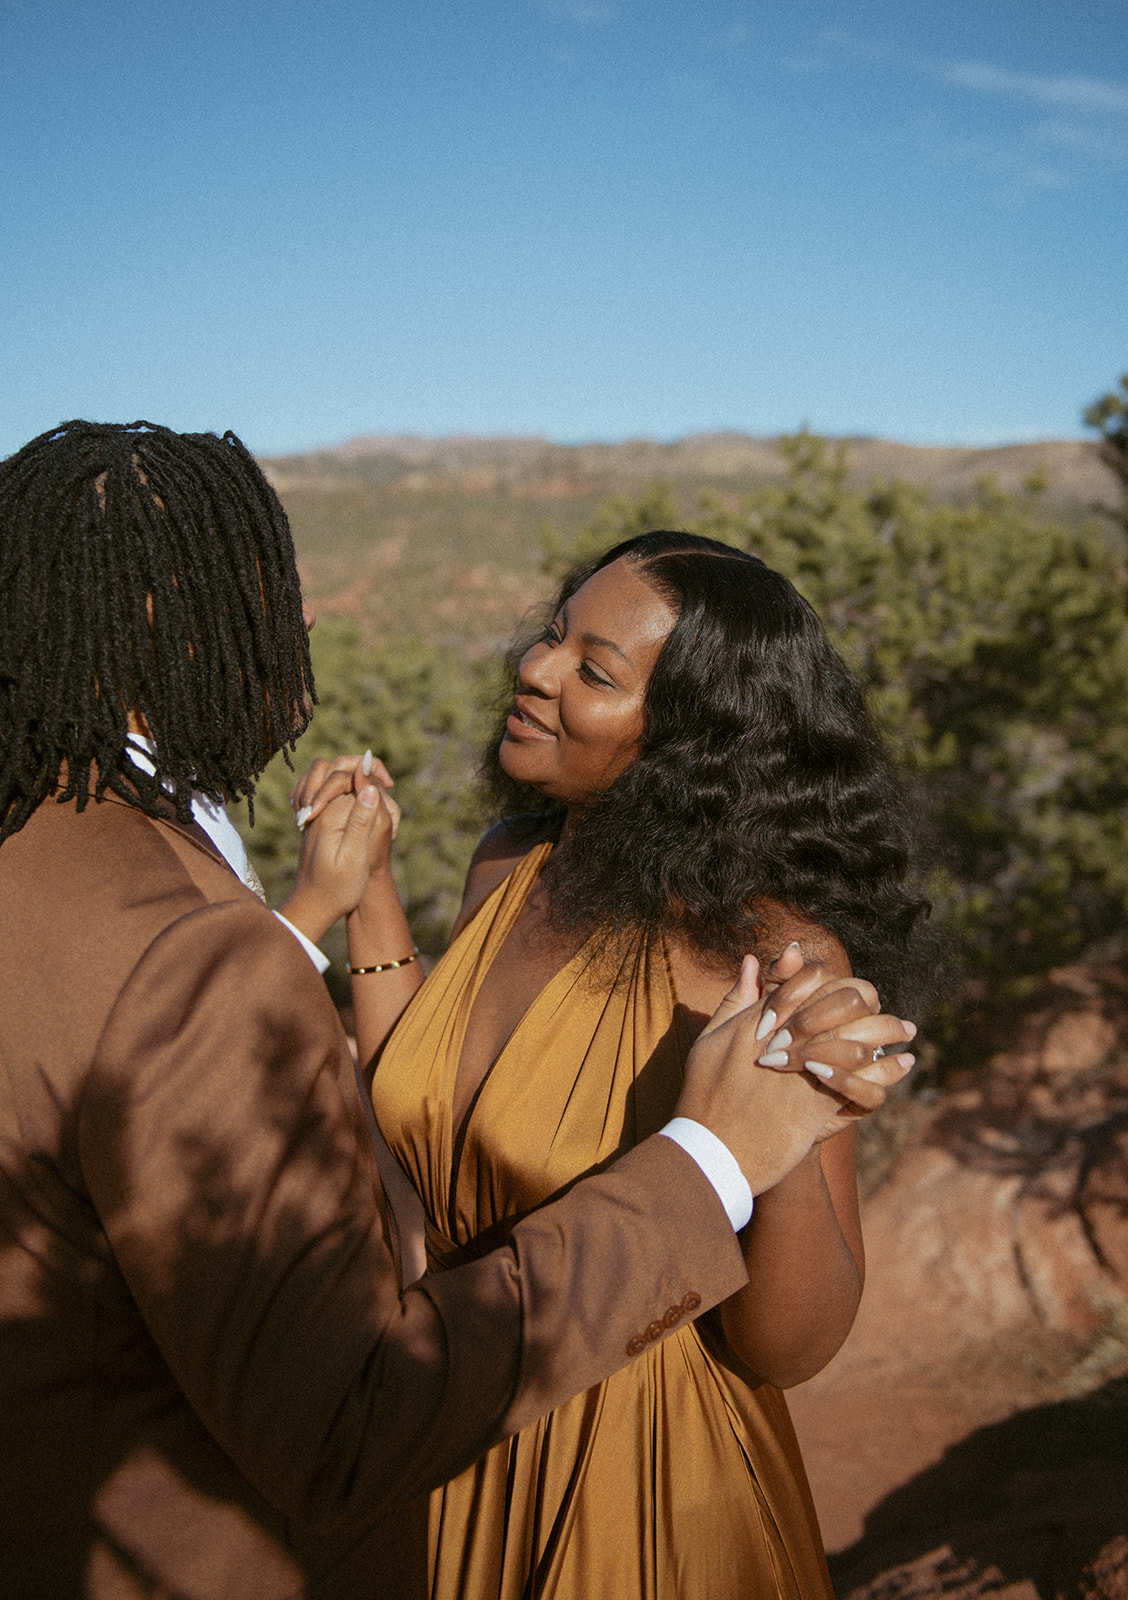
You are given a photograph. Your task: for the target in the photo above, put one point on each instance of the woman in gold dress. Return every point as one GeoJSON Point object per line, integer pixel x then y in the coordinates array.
{"type": "Point", "coordinates": [687, 772]}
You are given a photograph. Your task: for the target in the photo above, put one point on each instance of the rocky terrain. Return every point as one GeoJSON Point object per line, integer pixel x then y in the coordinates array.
{"type": "Point", "coordinates": [544, 470]}
{"type": "Point", "coordinates": [972, 1437]}
{"type": "Point", "coordinates": [445, 536]}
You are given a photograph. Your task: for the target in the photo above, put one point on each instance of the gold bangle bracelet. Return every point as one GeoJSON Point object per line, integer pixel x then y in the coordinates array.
{"type": "Point", "coordinates": [385, 966]}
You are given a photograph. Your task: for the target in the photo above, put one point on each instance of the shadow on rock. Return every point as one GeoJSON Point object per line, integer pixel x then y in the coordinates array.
{"type": "Point", "coordinates": [1033, 1508]}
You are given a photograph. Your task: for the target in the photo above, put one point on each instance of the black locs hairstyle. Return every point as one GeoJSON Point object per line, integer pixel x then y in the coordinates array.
{"type": "Point", "coordinates": [146, 570]}
{"type": "Point", "coordinates": [760, 780]}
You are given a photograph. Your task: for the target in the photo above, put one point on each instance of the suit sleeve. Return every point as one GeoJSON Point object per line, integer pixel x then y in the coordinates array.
{"type": "Point", "coordinates": [223, 1144]}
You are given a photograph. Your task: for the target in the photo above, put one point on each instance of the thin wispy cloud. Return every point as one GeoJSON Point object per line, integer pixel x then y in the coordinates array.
{"type": "Point", "coordinates": [1074, 91]}
{"type": "Point", "coordinates": [1089, 122]}
{"type": "Point", "coordinates": [1070, 91]}
{"type": "Point", "coordinates": [1015, 173]}
{"type": "Point", "coordinates": [1094, 141]}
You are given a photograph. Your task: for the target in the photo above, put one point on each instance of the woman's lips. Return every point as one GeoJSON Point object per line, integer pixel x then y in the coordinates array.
{"type": "Point", "coordinates": [521, 725]}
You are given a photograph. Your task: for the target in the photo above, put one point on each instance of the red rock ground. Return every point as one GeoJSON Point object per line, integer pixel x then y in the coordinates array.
{"type": "Point", "coordinates": [972, 1437]}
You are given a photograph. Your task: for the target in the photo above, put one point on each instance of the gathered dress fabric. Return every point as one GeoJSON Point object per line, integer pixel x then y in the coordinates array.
{"type": "Point", "coordinates": [680, 1476]}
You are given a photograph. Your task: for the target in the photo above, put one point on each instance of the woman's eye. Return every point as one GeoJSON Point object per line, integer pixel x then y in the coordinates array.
{"type": "Point", "coordinates": [590, 676]}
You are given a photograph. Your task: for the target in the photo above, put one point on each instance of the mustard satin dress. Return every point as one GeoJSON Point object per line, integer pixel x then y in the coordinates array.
{"type": "Point", "coordinates": [678, 1477]}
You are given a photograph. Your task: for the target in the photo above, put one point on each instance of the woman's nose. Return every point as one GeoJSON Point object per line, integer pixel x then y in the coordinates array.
{"type": "Point", "coordinates": [536, 671]}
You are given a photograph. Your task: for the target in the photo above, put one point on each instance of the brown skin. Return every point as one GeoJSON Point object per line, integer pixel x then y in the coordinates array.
{"type": "Point", "coordinates": [803, 1247]}
{"type": "Point", "coordinates": [577, 722]}
{"type": "Point", "coordinates": [581, 690]}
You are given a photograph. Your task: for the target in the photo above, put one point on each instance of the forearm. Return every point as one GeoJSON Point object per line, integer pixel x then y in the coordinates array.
{"type": "Point", "coordinates": [309, 910]}
{"type": "Point", "coordinates": [805, 1281]}
{"type": "Point", "coordinates": [378, 934]}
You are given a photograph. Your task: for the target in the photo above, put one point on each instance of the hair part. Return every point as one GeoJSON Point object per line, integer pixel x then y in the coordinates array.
{"type": "Point", "coordinates": [152, 572]}
{"type": "Point", "coordinates": [760, 781]}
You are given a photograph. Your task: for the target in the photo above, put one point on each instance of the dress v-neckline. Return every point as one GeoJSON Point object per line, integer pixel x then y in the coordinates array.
{"type": "Point", "coordinates": [503, 907]}
{"type": "Point", "coordinates": [517, 885]}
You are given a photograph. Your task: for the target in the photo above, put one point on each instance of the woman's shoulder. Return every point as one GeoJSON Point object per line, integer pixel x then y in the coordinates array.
{"type": "Point", "coordinates": [498, 851]}
{"type": "Point", "coordinates": [782, 925]}
{"type": "Point", "coordinates": [701, 979]}
{"type": "Point", "coordinates": [512, 838]}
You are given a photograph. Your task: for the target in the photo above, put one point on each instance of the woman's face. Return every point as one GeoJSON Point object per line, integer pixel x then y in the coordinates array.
{"type": "Point", "coordinates": [581, 690]}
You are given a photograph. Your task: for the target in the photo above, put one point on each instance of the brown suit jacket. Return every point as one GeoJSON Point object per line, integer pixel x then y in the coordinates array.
{"type": "Point", "coordinates": [210, 1384]}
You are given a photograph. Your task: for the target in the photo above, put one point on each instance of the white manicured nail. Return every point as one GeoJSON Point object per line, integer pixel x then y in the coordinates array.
{"type": "Point", "coordinates": [780, 1040]}
{"type": "Point", "coordinates": [767, 1025]}
{"type": "Point", "coordinates": [775, 1058]}
{"type": "Point", "coordinates": [819, 1069]}
{"type": "Point", "coordinates": [366, 764]}
{"type": "Point", "coordinates": [303, 817]}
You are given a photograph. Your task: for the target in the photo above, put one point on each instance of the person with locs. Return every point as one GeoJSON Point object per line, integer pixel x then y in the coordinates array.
{"type": "Point", "coordinates": [212, 1384]}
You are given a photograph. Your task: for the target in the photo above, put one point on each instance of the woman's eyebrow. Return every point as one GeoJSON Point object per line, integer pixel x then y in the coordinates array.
{"type": "Point", "coordinates": [608, 644]}
{"type": "Point", "coordinates": [597, 638]}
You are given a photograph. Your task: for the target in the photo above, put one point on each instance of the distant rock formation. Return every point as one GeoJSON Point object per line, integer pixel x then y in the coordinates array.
{"type": "Point", "coordinates": [542, 469]}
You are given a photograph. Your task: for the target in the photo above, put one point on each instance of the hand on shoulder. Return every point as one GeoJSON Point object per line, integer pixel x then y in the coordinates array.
{"type": "Point", "coordinates": [701, 980]}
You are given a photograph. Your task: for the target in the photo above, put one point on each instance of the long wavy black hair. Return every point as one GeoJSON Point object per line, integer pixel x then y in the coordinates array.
{"type": "Point", "coordinates": [150, 571]}
{"type": "Point", "coordinates": [761, 781]}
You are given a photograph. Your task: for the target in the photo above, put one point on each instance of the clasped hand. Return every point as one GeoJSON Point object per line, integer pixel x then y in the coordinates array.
{"type": "Point", "coordinates": [824, 1034]}
{"type": "Point", "coordinates": [348, 821]}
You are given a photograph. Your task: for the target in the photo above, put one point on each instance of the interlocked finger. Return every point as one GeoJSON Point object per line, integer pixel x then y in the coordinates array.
{"type": "Point", "coordinates": [309, 783]}
{"type": "Point", "coordinates": [813, 1001]}
{"type": "Point", "coordinates": [325, 780]}
{"type": "Point", "coordinates": [831, 1017]}
{"type": "Point", "coordinates": [848, 1070]}
{"type": "Point", "coordinates": [852, 1068]}
{"type": "Point", "coordinates": [876, 1034]}
{"type": "Point", "coordinates": [316, 799]}
{"type": "Point", "coordinates": [835, 1005]}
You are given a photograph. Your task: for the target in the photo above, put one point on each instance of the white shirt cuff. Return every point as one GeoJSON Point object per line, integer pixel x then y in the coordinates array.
{"type": "Point", "coordinates": [718, 1164]}
{"type": "Point", "coordinates": [320, 961]}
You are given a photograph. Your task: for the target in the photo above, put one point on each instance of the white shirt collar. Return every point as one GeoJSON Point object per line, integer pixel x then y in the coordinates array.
{"type": "Point", "coordinates": [211, 815]}
{"type": "Point", "coordinates": [223, 833]}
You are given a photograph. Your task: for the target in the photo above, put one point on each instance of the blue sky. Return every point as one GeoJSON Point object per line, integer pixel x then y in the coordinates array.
{"type": "Point", "coordinates": [589, 219]}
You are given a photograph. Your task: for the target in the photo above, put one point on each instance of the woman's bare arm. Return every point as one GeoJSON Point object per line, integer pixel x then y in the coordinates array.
{"type": "Point", "coordinates": [379, 938]}
{"type": "Point", "coordinates": [803, 1247]}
